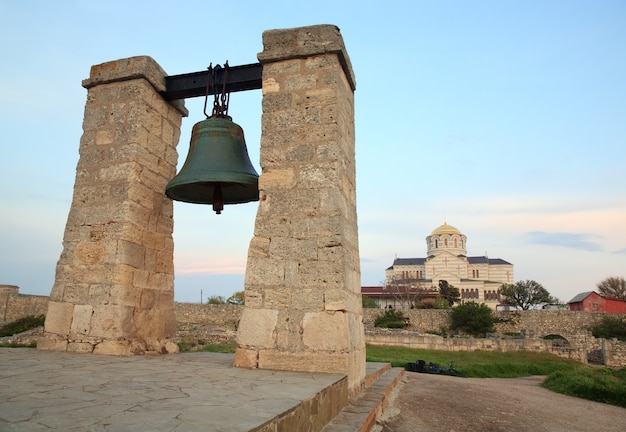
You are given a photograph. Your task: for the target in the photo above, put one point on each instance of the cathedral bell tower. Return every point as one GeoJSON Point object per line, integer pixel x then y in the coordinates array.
{"type": "Point", "coordinates": [446, 238]}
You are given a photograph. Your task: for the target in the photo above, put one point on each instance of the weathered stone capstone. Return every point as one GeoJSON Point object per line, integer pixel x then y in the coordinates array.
{"type": "Point", "coordinates": [114, 284]}
{"type": "Point", "coordinates": [302, 286]}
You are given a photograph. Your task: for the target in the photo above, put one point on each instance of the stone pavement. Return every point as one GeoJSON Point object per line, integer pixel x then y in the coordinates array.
{"type": "Point", "coordinates": [59, 391]}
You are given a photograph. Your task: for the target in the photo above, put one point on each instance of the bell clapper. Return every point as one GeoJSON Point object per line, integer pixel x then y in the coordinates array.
{"type": "Point", "coordinates": [218, 199]}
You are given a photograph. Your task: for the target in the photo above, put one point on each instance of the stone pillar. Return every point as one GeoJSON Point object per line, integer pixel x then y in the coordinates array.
{"type": "Point", "coordinates": [302, 287]}
{"type": "Point", "coordinates": [114, 284]}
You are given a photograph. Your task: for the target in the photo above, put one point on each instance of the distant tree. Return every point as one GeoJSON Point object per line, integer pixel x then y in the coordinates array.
{"type": "Point", "coordinates": [368, 302]}
{"type": "Point", "coordinates": [408, 295]}
{"type": "Point", "coordinates": [216, 300]}
{"type": "Point", "coordinates": [449, 292]}
{"type": "Point", "coordinates": [237, 298]}
{"type": "Point", "coordinates": [614, 287]}
{"type": "Point", "coordinates": [525, 294]}
{"type": "Point", "coordinates": [472, 318]}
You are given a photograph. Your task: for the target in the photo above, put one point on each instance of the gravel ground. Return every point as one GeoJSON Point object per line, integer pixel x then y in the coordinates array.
{"type": "Point", "coordinates": [436, 403]}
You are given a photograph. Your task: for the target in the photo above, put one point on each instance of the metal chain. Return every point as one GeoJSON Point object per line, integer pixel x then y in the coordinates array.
{"type": "Point", "coordinates": [221, 99]}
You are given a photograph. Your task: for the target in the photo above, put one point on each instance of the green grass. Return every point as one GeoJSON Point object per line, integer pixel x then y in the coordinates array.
{"type": "Point", "coordinates": [597, 384]}
{"type": "Point", "coordinates": [228, 348]}
{"type": "Point", "coordinates": [478, 364]}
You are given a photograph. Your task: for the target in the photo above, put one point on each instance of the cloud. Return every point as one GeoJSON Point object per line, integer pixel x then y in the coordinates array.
{"type": "Point", "coordinates": [563, 239]}
{"type": "Point", "coordinates": [368, 260]}
{"type": "Point", "coordinates": [620, 252]}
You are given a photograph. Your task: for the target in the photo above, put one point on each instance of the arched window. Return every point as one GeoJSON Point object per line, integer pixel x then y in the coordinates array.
{"type": "Point", "coordinates": [455, 243]}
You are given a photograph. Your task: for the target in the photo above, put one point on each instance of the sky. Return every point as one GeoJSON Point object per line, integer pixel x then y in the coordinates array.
{"type": "Point", "coordinates": [506, 119]}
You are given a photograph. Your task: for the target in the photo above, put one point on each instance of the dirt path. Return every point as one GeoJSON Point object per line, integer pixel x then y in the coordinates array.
{"type": "Point", "coordinates": [436, 403]}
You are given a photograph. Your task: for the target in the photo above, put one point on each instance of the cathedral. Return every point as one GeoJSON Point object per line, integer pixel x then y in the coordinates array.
{"type": "Point", "coordinates": [478, 278]}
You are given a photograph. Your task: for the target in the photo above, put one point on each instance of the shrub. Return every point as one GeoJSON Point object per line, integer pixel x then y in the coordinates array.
{"type": "Point", "coordinates": [610, 327]}
{"type": "Point", "coordinates": [442, 303]}
{"type": "Point", "coordinates": [472, 318]}
{"type": "Point", "coordinates": [216, 300]}
{"type": "Point", "coordinates": [391, 318]}
{"type": "Point", "coordinates": [368, 302]}
{"type": "Point", "coordinates": [21, 325]}
{"type": "Point", "coordinates": [427, 303]}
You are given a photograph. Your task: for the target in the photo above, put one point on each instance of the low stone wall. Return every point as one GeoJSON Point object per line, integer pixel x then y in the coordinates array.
{"type": "Point", "coordinates": [535, 323]}
{"type": "Point", "coordinates": [205, 323]}
{"type": "Point", "coordinates": [195, 313]}
{"type": "Point", "coordinates": [577, 351]}
{"type": "Point", "coordinates": [538, 322]}
{"type": "Point", "coordinates": [14, 305]}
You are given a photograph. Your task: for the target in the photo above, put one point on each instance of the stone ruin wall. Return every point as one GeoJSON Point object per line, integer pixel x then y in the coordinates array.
{"type": "Point", "coordinates": [615, 353]}
{"type": "Point", "coordinates": [577, 351]}
{"type": "Point", "coordinates": [218, 323]}
{"type": "Point", "coordinates": [534, 323]}
{"type": "Point", "coordinates": [14, 305]}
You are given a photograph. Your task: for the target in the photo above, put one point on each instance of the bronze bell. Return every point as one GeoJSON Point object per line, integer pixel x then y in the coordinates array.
{"type": "Point", "coordinates": [218, 170]}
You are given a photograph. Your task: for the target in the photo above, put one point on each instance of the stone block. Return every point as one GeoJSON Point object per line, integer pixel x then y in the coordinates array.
{"type": "Point", "coordinates": [253, 298]}
{"type": "Point", "coordinates": [81, 320]}
{"type": "Point", "coordinates": [264, 271]}
{"type": "Point", "coordinates": [246, 358]}
{"type": "Point", "coordinates": [140, 66]}
{"type": "Point", "coordinates": [277, 298]}
{"type": "Point", "coordinates": [326, 331]}
{"type": "Point", "coordinates": [59, 317]}
{"type": "Point", "coordinates": [99, 294]}
{"type": "Point", "coordinates": [288, 248]}
{"type": "Point", "coordinates": [51, 342]}
{"type": "Point", "coordinates": [80, 347]}
{"type": "Point", "coordinates": [256, 328]}
{"type": "Point", "coordinates": [113, 347]}
{"type": "Point", "coordinates": [334, 363]}
{"type": "Point", "coordinates": [259, 247]}
{"type": "Point", "coordinates": [279, 178]}
{"type": "Point", "coordinates": [130, 253]}
{"type": "Point", "coordinates": [171, 347]}
{"type": "Point", "coordinates": [89, 253]}
{"type": "Point", "coordinates": [124, 295]}
{"type": "Point", "coordinates": [77, 293]}
{"type": "Point", "coordinates": [112, 321]}
{"type": "Point", "coordinates": [335, 300]}
{"type": "Point", "coordinates": [155, 323]}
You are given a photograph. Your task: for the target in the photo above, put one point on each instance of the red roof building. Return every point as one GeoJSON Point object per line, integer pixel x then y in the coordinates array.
{"type": "Point", "coordinates": [591, 301]}
{"type": "Point", "coordinates": [397, 297]}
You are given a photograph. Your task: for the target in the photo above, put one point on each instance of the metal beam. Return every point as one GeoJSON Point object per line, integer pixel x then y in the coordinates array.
{"type": "Point", "coordinates": [240, 78]}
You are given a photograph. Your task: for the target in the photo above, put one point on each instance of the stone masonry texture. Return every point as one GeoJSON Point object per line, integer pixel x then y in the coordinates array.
{"type": "Point", "coordinates": [302, 286]}
{"type": "Point", "coordinates": [217, 324]}
{"type": "Point", "coordinates": [114, 284]}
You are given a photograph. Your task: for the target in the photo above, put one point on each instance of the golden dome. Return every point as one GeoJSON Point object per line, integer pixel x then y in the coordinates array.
{"type": "Point", "coordinates": [445, 229]}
